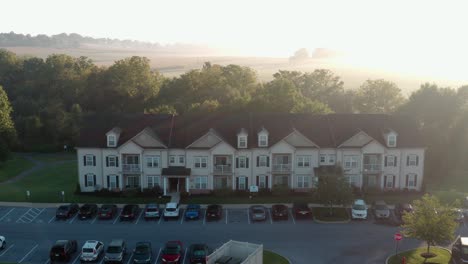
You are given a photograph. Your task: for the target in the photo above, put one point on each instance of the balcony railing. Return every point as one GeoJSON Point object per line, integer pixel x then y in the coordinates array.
{"type": "Point", "coordinates": [372, 167]}
{"type": "Point", "coordinates": [222, 169]}
{"type": "Point", "coordinates": [281, 167]}
{"type": "Point", "coordinates": [131, 168]}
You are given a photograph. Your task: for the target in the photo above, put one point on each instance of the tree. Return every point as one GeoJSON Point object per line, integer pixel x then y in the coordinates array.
{"type": "Point", "coordinates": [378, 96]}
{"type": "Point", "coordinates": [7, 128]}
{"type": "Point", "coordinates": [333, 188]}
{"type": "Point", "coordinates": [430, 221]}
{"type": "Point", "coordinates": [300, 55]}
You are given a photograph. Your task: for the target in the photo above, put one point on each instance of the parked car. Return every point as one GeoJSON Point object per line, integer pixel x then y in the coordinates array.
{"type": "Point", "coordinates": [192, 212]}
{"type": "Point", "coordinates": [152, 211]}
{"type": "Point", "coordinates": [173, 252]}
{"type": "Point", "coordinates": [381, 210]}
{"type": "Point", "coordinates": [460, 250]}
{"type": "Point", "coordinates": [198, 253]}
{"type": "Point", "coordinates": [359, 209]}
{"type": "Point", "coordinates": [88, 211]}
{"type": "Point", "coordinates": [2, 242]}
{"type": "Point", "coordinates": [107, 211]}
{"type": "Point", "coordinates": [115, 252]}
{"type": "Point", "coordinates": [302, 210]}
{"type": "Point", "coordinates": [171, 211]}
{"type": "Point", "coordinates": [257, 213]}
{"type": "Point", "coordinates": [129, 212]}
{"type": "Point", "coordinates": [214, 212]}
{"type": "Point", "coordinates": [63, 250]}
{"type": "Point", "coordinates": [142, 253]}
{"type": "Point", "coordinates": [91, 251]}
{"type": "Point", "coordinates": [66, 211]}
{"type": "Point", "coordinates": [279, 211]}
{"type": "Point", "coordinates": [401, 208]}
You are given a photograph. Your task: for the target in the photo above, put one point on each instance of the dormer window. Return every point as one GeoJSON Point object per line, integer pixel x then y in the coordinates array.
{"type": "Point", "coordinates": [263, 140]}
{"type": "Point", "coordinates": [111, 141]}
{"type": "Point", "coordinates": [391, 140]}
{"type": "Point", "coordinates": [242, 141]}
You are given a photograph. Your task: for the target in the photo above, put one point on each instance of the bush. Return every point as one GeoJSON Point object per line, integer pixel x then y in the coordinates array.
{"type": "Point", "coordinates": [77, 188]}
{"type": "Point", "coordinates": [184, 195]}
{"type": "Point", "coordinates": [223, 192]}
{"type": "Point", "coordinates": [151, 192]}
{"type": "Point", "coordinates": [281, 190]}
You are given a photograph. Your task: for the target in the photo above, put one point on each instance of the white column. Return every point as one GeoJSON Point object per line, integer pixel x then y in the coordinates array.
{"type": "Point", "coordinates": [164, 185]}
{"type": "Point", "coordinates": [187, 184]}
{"type": "Point", "coordinates": [234, 182]}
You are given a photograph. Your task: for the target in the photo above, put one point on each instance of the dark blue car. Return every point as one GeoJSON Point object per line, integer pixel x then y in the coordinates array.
{"type": "Point", "coordinates": [192, 212]}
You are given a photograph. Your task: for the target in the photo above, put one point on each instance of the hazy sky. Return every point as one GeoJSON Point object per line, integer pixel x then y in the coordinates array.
{"type": "Point", "coordinates": [424, 32]}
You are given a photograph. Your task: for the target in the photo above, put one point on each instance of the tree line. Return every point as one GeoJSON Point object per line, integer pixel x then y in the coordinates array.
{"type": "Point", "coordinates": [48, 99]}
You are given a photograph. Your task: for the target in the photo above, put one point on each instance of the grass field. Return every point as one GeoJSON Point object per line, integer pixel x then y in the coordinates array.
{"type": "Point", "coordinates": [13, 167]}
{"type": "Point", "coordinates": [273, 258]}
{"type": "Point", "coordinates": [413, 256]}
{"type": "Point", "coordinates": [53, 157]}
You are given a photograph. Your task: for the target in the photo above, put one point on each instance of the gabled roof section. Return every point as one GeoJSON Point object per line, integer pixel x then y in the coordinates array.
{"type": "Point", "coordinates": [147, 138]}
{"type": "Point", "coordinates": [358, 140]}
{"type": "Point", "coordinates": [115, 130]}
{"type": "Point", "coordinates": [298, 140]}
{"type": "Point", "coordinates": [207, 141]}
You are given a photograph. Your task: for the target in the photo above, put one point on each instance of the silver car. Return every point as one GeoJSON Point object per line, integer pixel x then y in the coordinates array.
{"type": "Point", "coordinates": [116, 251]}
{"type": "Point", "coordinates": [381, 210]}
{"type": "Point", "coordinates": [257, 213]}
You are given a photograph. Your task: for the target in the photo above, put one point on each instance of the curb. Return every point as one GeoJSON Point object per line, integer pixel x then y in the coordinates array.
{"type": "Point", "coordinates": [446, 249]}
{"type": "Point", "coordinates": [289, 261]}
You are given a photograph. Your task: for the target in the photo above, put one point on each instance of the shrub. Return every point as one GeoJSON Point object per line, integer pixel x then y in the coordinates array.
{"type": "Point", "coordinates": [281, 190]}
{"type": "Point", "coordinates": [77, 188]}
{"type": "Point", "coordinates": [223, 192]}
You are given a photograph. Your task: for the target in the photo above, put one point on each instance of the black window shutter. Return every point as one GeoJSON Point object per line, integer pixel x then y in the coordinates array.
{"type": "Point", "coordinates": [417, 160]}
{"type": "Point", "coordinates": [84, 160]}
{"type": "Point", "coordinates": [116, 161]}
{"type": "Point", "coordinates": [393, 181]}
{"type": "Point", "coordinates": [237, 183]}
{"type": "Point", "coordinates": [237, 162]}
{"type": "Point", "coordinates": [268, 161]}
{"type": "Point", "coordinates": [247, 163]}
{"type": "Point", "coordinates": [407, 180]}
{"type": "Point", "coordinates": [385, 181]}
{"type": "Point", "coordinates": [247, 182]}
{"type": "Point", "coordinates": [415, 180]}
{"type": "Point", "coordinates": [94, 160]}
{"type": "Point", "coordinates": [395, 159]}
{"type": "Point", "coordinates": [258, 161]}
{"type": "Point", "coordinates": [86, 180]}
{"type": "Point", "coordinates": [94, 179]}
{"type": "Point", "coordinates": [258, 180]}
{"type": "Point", "coordinates": [117, 181]}
{"type": "Point", "coordinates": [108, 181]}
{"type": "Point", "coordinates": [386, 159]}
{"type": "Point", "coordinates": [107, 161]}
{"type": "Point", "coordinates": [407, 160]}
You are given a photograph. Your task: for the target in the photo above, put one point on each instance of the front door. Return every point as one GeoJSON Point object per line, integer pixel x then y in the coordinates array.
{"type": "Point", "coordinates": [173, 184]}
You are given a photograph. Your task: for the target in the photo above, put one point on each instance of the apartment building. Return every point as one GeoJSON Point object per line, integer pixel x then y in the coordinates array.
{"type": "Point", "coordinates": [197, 154]}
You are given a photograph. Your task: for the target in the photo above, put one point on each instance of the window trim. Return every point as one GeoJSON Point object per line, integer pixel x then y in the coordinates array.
{"type": "Point", "coordinates": [330, 158]}
{"type": "Point", "coordinates": [394, 140]}
{"type": "Point", "coordinates": [87, 181]}
{"type": "Point", "coordinates": [244, 182]}
{"type": "Point", "coordinates": [155, 161]}
{"type": "Point", "coordinates": [243, 139]}
{"type": "Point", "coordinates": [353, 159]}
{"type": "Point", "coordinates": [181, 159]}
{"type": "Point", "coordinates": [201, 182]}
{"type": "Point", "coordinates": [87, 157]}
{"type": "Point", "coordinates": [413, 158]}
{"type": "Point", "coordinates": [262, 181]}
{"type": "Point", "coordinates": [112, 159]}
{"type": "Point", "coordinates": [303, 161]}
{"type": "Point", "coordinates": [264, 141]}
{"type": "Point", "coordinates": [414, 182]}
{"type": "Point", "coordinates": [393, 163]}
{"type": "Point", "coordinates": [114, 177]}
{"type": "Point", "coordinates": [302, 180]}
{"type": "Point", "coordinates": [172, 159]}
{"type": "Point", "coordinates": [109, 141]}
{"type": "Point", "coordinates": [244, 159]}
{"type": "Point", "coordinates": [153, 178]}
{"type": "Point", "coordinates": [200, 162]}
{"type": "Point", "coordinates": [324, 156]}
{"type": "Point", "coordinates": [264, 162]}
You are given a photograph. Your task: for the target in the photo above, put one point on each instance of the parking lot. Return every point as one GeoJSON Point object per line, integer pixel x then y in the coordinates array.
{"type": "Point", "coordinates": [30, 233]}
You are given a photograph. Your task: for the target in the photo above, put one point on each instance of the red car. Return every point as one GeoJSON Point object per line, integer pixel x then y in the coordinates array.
{"type": "Point", "coordinates": [173, 252]}
{"type": "Point", "coordinates": [107, 211]}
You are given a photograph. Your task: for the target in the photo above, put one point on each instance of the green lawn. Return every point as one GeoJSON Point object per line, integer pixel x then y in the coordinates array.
{"type": "Point", "coordinates": [53, 157]}
{"type": "Point", "coordinates": [13, 167]}
{"type": "Point", "coordinates": [323, 214]}
{"type": "Point", "coordinates": [273, 258]}
{"type": "Point", "coordinates": [413, 256]}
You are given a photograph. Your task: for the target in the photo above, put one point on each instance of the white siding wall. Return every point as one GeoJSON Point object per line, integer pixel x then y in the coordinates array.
{"type": "Point", "coordinates": [83, 170]}
{"type": "Point", "coordinates": [418, 170]}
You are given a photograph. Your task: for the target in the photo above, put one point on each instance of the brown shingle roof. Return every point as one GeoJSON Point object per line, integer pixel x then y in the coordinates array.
{"type": "Point", "coordinates": [327, 131]}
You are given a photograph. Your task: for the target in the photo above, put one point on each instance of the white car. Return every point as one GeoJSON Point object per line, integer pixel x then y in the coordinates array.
{"type": "Point", "coordinates": [91, 251]}
{"type": "Point", "coordinates": [359, 210]}
{"type": "Point", "coordinates": [2, 242]}
{"type": "Point", "coordinates": [171, 211]}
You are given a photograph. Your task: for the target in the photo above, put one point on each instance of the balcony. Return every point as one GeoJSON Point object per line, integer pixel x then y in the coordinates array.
{"type": "Point", "coordinates": [222, 169]}
{"type": "Point", "coordinates": [278, 168]}
{"type": "Point", "coordinates": [372, 168]}
{"type": "Point", "coordinates": [131, 168]}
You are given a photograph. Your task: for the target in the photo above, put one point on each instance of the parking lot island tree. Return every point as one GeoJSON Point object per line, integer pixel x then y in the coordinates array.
{"type": "Point", "coordinates": [430, 221]}
{"type": "Point", "coordinates": [332, 187]}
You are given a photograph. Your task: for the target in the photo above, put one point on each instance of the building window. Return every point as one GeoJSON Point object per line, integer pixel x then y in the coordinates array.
{"type": "Point", "coordinates": [303, 161]}
{"type": "Point", "coordinates": [112, 161]}
{"type": "Point", "coordinates": [181, 160]}
{"type": "Point", "coordinates": [262, 161]}
{"type": "Point", "coordinates": [391, 141]}
{"type": "Point", "coordinates": [111, 141]}
{"type": "Point", "coordinates": [90, 160]}
{"type": "Point", "coordinates": [242, 162]}
{"type": "Point", "coordinates": [323, 158]}
{"type": "Point", "coordinates": [303, 181]}
{"type": "Point", "coordinates": [411, 180]}
{"type": "Point", "coordinates": [351, 162]}
{"type": "Point", "coordinates": [389, 181]}
{"type": "Point", "coordinates": [201, 182]}
{"type": "Point", "coordinates": [90, 180]}
{"type": "Point", "coordinates": [390, 161]}
{"type": "Point", "coordinates": [242, 183]}
{"type": "Point", "coordinates": [152, 161]}
{"type": "Point", "coordinates": [242, 141]}
{"type": "Point", "coordinates": [262, 140]}
{"type": "Point", "coordinates": [133, 181]}
{"type": "Point", "coordinates": [112, 182]}
{"type": "Point", "coordinates": [281, 180]}
{"type": "Point", "coordinates": [201, 162]}
{"type": "Point", "coordinates": [153, 181]}
{"type": "Point", "coordinates": [412, 160]}
{"type": "Point", "coordinates": [172, 159]}
{"type": "Point", "coordinates": [262, 182]}
{"type": "Point", "coordinates": [331, 158]}
{"type": "Point", "coordinates": [353, 180]}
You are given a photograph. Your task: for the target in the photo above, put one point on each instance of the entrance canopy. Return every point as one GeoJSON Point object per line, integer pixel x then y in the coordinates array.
{"type": "Point", "coordinates": [176, 171]}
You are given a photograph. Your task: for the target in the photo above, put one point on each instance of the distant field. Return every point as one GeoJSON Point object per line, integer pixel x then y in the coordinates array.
{"type": "Point", "coordinates": [173, 64]}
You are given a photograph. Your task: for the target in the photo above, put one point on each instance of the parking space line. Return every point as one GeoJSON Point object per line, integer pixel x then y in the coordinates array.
{"type": "Point", "coordinates": [94, 220]}
{"type": "Point", "coordinates": [248, 215]}
{"type": "Point", "coordinates": [226, 216]}
{"type": "Point", "coordinates": [25, 256]}
{"type": "Point", "coordinates": [7, 214]}
{"type": "Point", "coordinates": [292, 216]}
{"type": "Point", "coordinates": [182, 217]}
{"type": "Point", "coordinates": [102, 260]}
{"type": "Point", "coordinates": [185, 255]}
{"type": "Point", "coordinates": [116, 217]}
{"type": "Point", "coordinates": [130, 258]}
{"type": "Point", "coordinates": [17, 221]}
{"type": "Point", "coordinates": [139, 216]}
{"type": "Point", "coordinates": [77, 257]}
{"type": "Point", "coordinates": [73, 219]}
{"type": "Point", "coordinates": [160, 219]}
{"type": "Point", "coordinates": [269, 215]}
{"type": "Point", "coordinates": [12, 245]}
{"type": "Point", "coordinates": [53, 217]}
{"type": "Point", "coordinates": [47, 262]}
{"type": "Point", "coordinates": [157, 257]}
